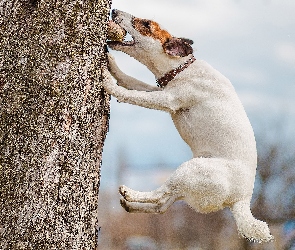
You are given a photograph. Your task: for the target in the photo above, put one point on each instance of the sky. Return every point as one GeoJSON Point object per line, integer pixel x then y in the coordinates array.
{"type": "Point", "coordinates": [251, 42]}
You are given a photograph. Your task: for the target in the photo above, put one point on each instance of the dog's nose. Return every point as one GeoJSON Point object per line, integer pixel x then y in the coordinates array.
{"type": "Point", "coordinates": [114, 13]}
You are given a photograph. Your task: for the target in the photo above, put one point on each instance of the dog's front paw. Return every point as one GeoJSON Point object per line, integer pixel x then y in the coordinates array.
{"type": "Point", "coordinates": [106, 77]}
{"type": "Point", "coordinates": [108, 82]}
{"type": "Point", "coordinates": [113, 67]}
{"type": "Point", "coordinates": [111, 58]}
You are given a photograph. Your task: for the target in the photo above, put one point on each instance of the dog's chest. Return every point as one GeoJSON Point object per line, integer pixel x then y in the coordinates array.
{"type": "Point", "coordinates": [186, 123]}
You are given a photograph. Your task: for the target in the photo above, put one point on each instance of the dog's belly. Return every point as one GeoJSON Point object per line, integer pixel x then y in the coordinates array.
{"type": "Point", "coordinates": [217, 131]}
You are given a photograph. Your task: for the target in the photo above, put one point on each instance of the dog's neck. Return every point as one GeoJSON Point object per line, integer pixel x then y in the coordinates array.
{"type": "Point", "coordinates": [169, 76]}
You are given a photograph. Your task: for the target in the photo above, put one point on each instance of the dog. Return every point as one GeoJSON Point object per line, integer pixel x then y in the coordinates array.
{"type": "Point", "coordinates": [208, 116]}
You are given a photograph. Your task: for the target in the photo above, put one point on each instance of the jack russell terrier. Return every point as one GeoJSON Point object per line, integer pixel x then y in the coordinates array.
{"type": "Point", "coordinates": [207, 114]}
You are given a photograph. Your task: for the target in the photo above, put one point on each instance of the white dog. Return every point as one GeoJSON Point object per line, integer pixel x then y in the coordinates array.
{"type": "Point", "coordinates": [207, 114]}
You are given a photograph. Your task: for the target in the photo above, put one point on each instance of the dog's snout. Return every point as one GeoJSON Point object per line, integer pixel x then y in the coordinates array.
{"type": "Point", "coordinates": [114, 13]}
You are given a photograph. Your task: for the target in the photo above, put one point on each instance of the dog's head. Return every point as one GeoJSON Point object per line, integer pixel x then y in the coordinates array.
{"type": "Point", "coordinates": [150, 44]}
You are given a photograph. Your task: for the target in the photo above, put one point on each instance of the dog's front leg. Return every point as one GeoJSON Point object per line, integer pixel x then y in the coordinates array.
{"type": "Point", "coordinates": [126, 81]}
{"type": "Point", "coordinates": [159, 100]}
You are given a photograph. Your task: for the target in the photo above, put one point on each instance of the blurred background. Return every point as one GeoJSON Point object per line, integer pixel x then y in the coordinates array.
{"type": "Point", "coordinates": [251, 42]}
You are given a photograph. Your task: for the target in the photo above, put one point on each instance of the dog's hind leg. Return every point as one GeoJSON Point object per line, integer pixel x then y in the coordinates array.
{"type": "Point", "coordinates": [248, 226]}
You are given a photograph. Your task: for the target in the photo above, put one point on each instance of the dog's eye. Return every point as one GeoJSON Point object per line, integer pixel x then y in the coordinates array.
{"type": "Point", "coordinates": [146, 23]}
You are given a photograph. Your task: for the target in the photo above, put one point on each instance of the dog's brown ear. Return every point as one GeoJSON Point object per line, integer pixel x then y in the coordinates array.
{"type": "Point", "coordinates": [177, 47]}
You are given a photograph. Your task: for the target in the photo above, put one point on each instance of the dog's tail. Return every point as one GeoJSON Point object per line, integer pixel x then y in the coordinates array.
{"type": "Point", "coordinates": [249, 227]}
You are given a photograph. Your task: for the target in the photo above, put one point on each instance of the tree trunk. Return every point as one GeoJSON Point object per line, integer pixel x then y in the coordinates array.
{"type": "Point", "coordinates": [53, 122]}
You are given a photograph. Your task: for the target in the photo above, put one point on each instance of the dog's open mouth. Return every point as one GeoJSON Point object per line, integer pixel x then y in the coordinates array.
{"type": "Point", "coordinates": [118, 36]}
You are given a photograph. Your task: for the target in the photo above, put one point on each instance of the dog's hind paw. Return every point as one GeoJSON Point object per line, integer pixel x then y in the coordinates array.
{"type": "Point", "coordinates": [124, 204]}
{"type": "Point", "coordinates": [126, 192]}
{"type": "Point", "coordinates": [123, 191]}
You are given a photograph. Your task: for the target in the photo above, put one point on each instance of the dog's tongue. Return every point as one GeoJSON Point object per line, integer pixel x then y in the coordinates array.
{"type": "Point", "coordinates": [115, 32]}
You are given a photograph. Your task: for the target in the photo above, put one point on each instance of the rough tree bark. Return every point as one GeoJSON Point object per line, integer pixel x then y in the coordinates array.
{"type": "Point", "coordinates": [53, 121]}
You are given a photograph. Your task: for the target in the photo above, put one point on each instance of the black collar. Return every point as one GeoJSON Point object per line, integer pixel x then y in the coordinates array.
{"type": "Point", "coordinates": [164, 80]}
